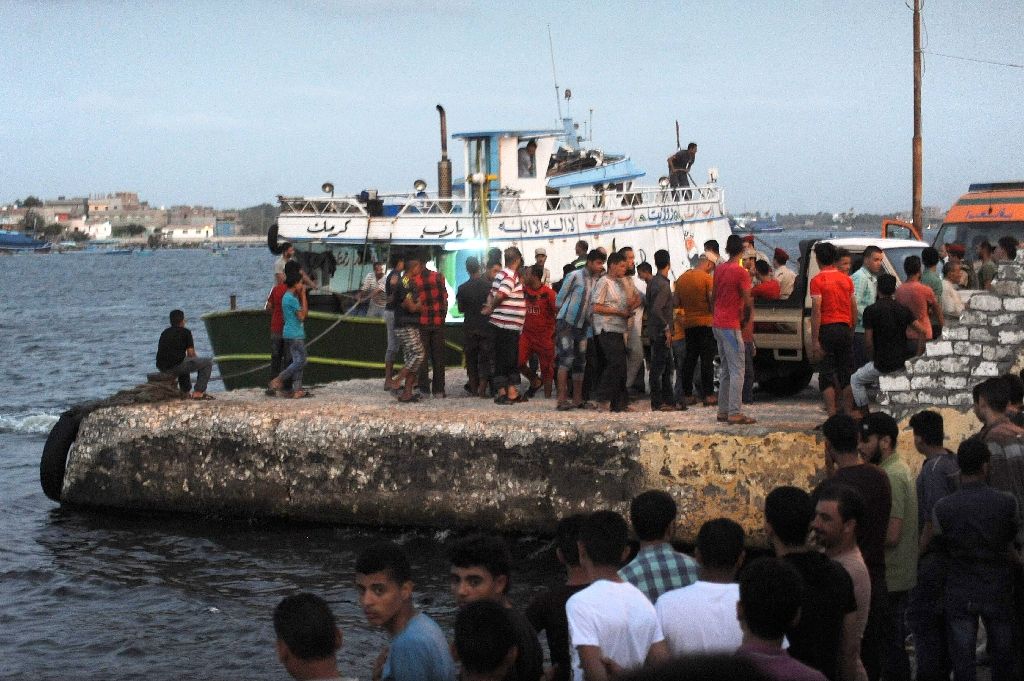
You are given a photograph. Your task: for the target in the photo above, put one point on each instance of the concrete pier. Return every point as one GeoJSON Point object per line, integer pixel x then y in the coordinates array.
{"type": "Point", "coordinates": [351, 454]}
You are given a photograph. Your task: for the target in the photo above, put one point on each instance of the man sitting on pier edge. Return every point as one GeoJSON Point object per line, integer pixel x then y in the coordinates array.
{"type": "Point", "coordinates": [176, 355]}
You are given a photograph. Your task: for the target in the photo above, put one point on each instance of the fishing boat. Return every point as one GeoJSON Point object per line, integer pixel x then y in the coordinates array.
{"type": "Point", "coordinates": [12, 242]}
{"type": "Point", "coordinates": [529, 188]}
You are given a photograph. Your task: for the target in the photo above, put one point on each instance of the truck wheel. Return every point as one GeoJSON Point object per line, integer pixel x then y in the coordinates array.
{"type": "Point", "coordinates": [789, 383]}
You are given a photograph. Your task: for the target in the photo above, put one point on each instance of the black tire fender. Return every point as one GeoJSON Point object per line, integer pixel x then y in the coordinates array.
{"type": "Point", "coordinates": [55, 452]}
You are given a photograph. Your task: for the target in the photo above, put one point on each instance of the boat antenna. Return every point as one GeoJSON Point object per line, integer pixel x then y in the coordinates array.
{"type": "Point", "coordinates": [590, 127]}
{"type": "Point", "coordinates": [554, 75]}
{"type": "Point", "coordinates": [679, 144]}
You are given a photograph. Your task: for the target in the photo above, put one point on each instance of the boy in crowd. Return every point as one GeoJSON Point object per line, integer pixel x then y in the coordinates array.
{"type": "Point", "coordinates": [660, 316]}
{"type": "Point", "coordinates": [733, 307]}
{"type": "Point", "coordinates": [279, 355]}
{"type": "Point", "coordinates": [308, 638]}
{"type": "Point", "coordinates": [878, 436]}
{"type": "Point", "coordinates": [922, 303]}
{"type": "Point", "coordinates": [294, 307]}
{"type": "Point", "coordinates": [825, 637]}
{"type": "Point", "coordinates": [546, 611]}
{"type": "Point", "coordinates": [939, 477]}
{"type": "Point", "coordinates": [407, 327]}
{"type": "Point", "coordinates": [612, 625]}
{"type": "Point", "coordinates": [865, 292]}
{"type": "Point", "coordinates": [538, 337]}
{"type": "Point", "coordinates": [484, 644]}
{"type": "Point", "coordinates": [612, 305]}
{"type": "Point", "coordinates": [471, 297]}
{"type": "Point", "coordinates": [770, 603]}
{"type": "Point", "coordinates": [572, 327]}
{"type": "Point", "coordinates": [481, 571]}
{"type": "Point", "coordinates": [701, 617]}
{"type": "Point", "coordinates": [833, 313]}
{"type": "Point", "coordinates": [767, 287]}
{"type": "Point", "coordinates": [837, 514]}
{"type": "Point", "coordinates": [885, 325]}
{"type": "Point", "coordinates": [176, 355]}
{"type": "Point", "coordinates": [657, 567]}
{"type": "Point", "coordinates": [978, 525]}
{"type": "Point", "coordinates": [418, 650]}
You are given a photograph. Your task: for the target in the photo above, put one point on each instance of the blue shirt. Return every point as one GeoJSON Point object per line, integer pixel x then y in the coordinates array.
{"type": "Point", "coordinates": [574, 298]}
{"type": "Point", "coordinates": [659, 568]}
{"type": "Point", "coordinates": [419, 653]}
{"type": "Point", "coordinates": [293, 327]}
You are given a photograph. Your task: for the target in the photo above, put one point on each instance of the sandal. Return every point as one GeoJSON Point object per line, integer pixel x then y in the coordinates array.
{"type": "Point", "coordinates": [502, 399]}
{"type": "Point", "coordinates": [201, 397]}
{"type": "Point", "coordinates": [565, 406]}
{"type": "Point", "coordinates": [300, 394]}
{"type": "Point", "coordinates": [722, 419]}
{"type": "Point", "coordinates": [406, 399]}
{"type": "Point", "coordinates": [740, 420]}
{"type": "Point", "coordinates": [534, 388]}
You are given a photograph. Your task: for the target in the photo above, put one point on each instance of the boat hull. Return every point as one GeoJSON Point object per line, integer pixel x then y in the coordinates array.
{"type": "Point", "coordinates": [341, 347]}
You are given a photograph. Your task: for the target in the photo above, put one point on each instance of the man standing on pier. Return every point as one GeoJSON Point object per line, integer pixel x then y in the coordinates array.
{"type": "Point", "coordinates": [572, 326]}
{"type": "Point", "coordinates": [433, 296]}
{"type": "Point", "coordinates": [176, 355]}
{"type": "Point", "coordinates": [833, 313]}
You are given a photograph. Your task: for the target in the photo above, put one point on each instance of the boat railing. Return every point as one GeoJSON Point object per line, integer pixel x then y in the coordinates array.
{"type": "Point", "coordinates": [505, 202]}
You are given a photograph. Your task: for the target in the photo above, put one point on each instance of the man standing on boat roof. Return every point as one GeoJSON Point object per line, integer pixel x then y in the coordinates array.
{"type": "Point", "coordinates": [679, 165]}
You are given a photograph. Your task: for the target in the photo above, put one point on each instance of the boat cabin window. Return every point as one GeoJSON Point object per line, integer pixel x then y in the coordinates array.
{"type": "Point", "coordinates": [528, 159]}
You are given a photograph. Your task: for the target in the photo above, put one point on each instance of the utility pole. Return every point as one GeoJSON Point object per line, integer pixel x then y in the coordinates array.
{"type": "Point", "coordinates": [917, 210]}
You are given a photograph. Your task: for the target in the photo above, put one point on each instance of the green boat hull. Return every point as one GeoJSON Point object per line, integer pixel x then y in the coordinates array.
{"type": "Point", "coordinates": [340, 347]}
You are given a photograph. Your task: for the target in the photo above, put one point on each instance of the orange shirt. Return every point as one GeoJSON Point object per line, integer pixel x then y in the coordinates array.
{"type": "Point", "coordinates": [692, 290]}
{"type": "Point", "coordinates": [835, 290]}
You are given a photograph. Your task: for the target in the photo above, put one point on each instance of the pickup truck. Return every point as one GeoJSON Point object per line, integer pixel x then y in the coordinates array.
{"type": "Point", "coordinates": [782, 328]}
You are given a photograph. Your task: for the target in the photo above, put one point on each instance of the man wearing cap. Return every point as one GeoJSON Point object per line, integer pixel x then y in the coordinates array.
{"type": "Point", "coordinates": [749, 251]}
{"type": "Point", "coordinates": [955, 253]}
{"type": "Point", "coordinates": [785, 276]}
{"type": "Point", "coordinates": [540, 257]}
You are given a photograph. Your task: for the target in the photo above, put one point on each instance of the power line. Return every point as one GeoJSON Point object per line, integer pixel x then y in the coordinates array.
{"type": "Point", "coordinates": [980, 61]}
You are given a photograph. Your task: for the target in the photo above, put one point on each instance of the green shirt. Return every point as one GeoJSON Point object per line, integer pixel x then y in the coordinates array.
{"type": "Point", "coordinates": [865, 290]}
{"type": "Point", "coordinates": [932, 280]}
{"type": "Point", "coordinates": [986, 273]}
{"type": "Point", "coordinates": [901, 560]}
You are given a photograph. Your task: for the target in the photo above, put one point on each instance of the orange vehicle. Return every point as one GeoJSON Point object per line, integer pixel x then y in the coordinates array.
{"type": "Point", "coordinates": [986, 212]}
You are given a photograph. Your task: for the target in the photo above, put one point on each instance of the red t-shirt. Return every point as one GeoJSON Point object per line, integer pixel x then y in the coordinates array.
{"type": "Point", "coordinates": [835, 290]}
{"type": "Point", "coordinates": [916, 296]}
{"type": "Point", "coordinates": [276, 316]}
{"type": "Point", "coordinates": [540, 312]}
{"type": "Point", "coordinates": [767, 290]}
{"type": "Point", "coordinates": [731, 281]}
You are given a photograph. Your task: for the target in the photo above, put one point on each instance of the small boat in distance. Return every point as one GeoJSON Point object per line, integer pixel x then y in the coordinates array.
{"type": "Point", "coordinates": [526, 187]}
{"type": "Point", "coordinates": [11, 242]}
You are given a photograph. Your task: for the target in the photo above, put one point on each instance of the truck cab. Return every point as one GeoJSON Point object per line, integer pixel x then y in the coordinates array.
{"type": "Point", "coordinates": [782, 328]}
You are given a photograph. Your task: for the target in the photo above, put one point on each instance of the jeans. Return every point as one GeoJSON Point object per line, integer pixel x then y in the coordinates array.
{"type": "Point", "coordinates": [962, 629]}
{"type": "Point", "coordinates": [612, 383]}
{"type": "Point", "coordinates": [866, 376]}
{"type": "Point", "coordinates": [203, 366]}
{"type": "Point", "coordinates": [433, 346]}
{"type": "Point", "coordinates": [700, 345]}
{"type": "Point", "coordinates": [661, 372]}
{"type": "Point", "coordinates": [297, 346]}
{"type": "Point", "coordinates": [375, 310]}
{"type": "Point", "coordinates": [730, 382]}
{"type": "Point", "coordinates": [279, 356]}
{"type": "Point", "coordinates": [392, 351]}
{"type": "Point", "coordinates": [679, 357]}
{"type": "Point", "coordinates": [927, 620]}
{"type": "Point", "coordinates": [748, 372]}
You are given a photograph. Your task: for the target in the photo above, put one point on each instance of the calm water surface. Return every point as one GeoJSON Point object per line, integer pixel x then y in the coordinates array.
{"type": "Point", "coordinates": [95, 596]}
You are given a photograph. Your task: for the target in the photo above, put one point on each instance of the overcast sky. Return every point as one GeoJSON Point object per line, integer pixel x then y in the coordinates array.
{"type": "Point", "coordinates": [800, 105]}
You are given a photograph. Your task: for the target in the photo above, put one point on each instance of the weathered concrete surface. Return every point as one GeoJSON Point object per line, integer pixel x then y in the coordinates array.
{"type": "Point", "coordinates": [353, 455]}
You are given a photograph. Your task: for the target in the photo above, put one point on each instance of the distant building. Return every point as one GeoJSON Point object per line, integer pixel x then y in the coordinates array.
{"type": "Point", "coordinates": [187, 233]}
{"type": "Point", "coordinates": [225, 227]}
{"type": "Point", "coordinates": [95, 230]}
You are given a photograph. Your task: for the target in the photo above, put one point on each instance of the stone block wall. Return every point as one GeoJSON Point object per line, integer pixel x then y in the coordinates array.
{"type": "Point", "coordinates": [987, 340]}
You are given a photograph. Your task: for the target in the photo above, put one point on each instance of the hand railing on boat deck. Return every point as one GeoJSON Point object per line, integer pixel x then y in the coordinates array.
{"type": "Point", "coordinates": [507, 202]}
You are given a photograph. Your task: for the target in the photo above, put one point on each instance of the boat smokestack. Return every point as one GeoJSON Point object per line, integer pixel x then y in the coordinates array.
{"type": "Point", "coordinates": [444, 166]}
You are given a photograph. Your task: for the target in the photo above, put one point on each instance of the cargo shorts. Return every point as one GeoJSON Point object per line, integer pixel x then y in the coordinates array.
{"type": "Point", "coordinates": [571, 348]}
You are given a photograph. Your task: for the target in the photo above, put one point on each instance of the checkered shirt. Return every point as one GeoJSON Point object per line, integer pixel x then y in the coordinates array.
{"type": "Point", "coordinates": [659, 568]}
{"type": "Point", "coordinates": [433, 297]}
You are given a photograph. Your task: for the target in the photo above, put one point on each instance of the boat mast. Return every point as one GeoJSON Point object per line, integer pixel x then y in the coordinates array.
{"type": "Point", "coordinates": [554, 75]}
{"type": "Point", "coordinates": [918, 216]}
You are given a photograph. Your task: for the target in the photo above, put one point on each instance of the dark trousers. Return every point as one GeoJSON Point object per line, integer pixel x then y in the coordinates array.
{"type": "Point", "coordinates": [927, 621]}
{"type": "Point", "coordinates": [592, 369]}
{"type": "Point", "coordinates": [280, 357]}
{"type": "Point", "coordinates": [700, 345]}
{"type": "Point", "coordinates": [661, 373]}
{"type": "Point", "coordinates": [433, 347]}
{"type": "Point", "coordinates": [895, 662]}
{"type": "Point", "coordinates": [872, 646]}
{"type": "Point", "coordinates": [506, 357]}
{"type": "Point", "coordinates": [478, 353]}
{"type": "Point", "coordinates": [962, 629]}
{"type": "Point", "coordinates": [612, 384]}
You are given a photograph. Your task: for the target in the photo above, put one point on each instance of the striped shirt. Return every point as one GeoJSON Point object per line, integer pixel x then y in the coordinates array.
{"type": "Point", "coordinates": [659, 568]}
{"type": "Point", "coordinates": [511, 311]}
{"type": "Point", "coordinates": [611, 292]}
{"type": "Point", "coordinates": [574, 298]}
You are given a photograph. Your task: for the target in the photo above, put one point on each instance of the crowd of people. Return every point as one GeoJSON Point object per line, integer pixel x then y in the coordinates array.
{"type": "Point", "coordinates": [867, 560]}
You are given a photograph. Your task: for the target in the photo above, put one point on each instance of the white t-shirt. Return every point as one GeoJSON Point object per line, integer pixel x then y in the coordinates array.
{"type": "Point", "coordinates": [616, 617]}
{"type": "Point", "coordinates": [700, 618]}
